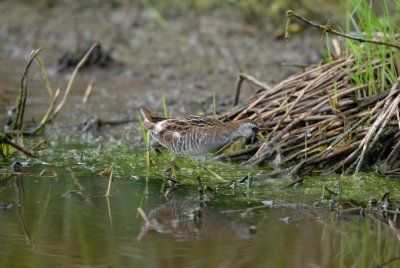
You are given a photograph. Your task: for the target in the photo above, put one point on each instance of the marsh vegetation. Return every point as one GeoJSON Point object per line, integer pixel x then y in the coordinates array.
{"type": "Point", "coordinates": [82, 183]}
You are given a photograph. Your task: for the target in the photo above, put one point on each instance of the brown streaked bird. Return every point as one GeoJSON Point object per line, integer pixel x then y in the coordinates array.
{"type": "Point", "coordinates": [194, 135]}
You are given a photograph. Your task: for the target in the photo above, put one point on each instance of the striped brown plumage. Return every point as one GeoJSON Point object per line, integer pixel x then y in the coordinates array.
{"type": "Point", "coordinates": [194, 135]}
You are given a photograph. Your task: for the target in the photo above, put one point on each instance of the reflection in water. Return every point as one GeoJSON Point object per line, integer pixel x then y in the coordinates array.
{"type": "Point", "coordinates": [187, 218]}
{"type": "Point", "coordinates": [19, 184]}
{"type": "Point", "coordinates": [47, 228]}
{"type": "Point", "coordinates": [20, 197]}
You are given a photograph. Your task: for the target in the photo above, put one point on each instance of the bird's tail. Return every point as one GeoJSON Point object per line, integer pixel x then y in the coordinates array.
{"type": "Point", "coordinates": [149, 118]}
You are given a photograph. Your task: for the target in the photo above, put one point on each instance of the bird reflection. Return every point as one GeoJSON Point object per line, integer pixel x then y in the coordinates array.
{"type": "Point", "coordinates": [185, 218]}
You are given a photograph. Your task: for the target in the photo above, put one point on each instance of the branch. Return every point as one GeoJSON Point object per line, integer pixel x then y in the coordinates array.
{"type": "Point", "coordinates": [71, 80]}
{"type": "Point", "coordinates": [328, 29]}
{"type": "Point", "coordinates": [6, 140]}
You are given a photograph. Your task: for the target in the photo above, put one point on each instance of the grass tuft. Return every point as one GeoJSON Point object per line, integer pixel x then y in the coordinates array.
{"type": "Point", "coordinates": [214, 106]}
{"type": "Point", "coordinates": [146, 138]}
{"type": "Point", "coordinates": [165, 108]}
{"type": "Point", "coordinates": [363, 21]}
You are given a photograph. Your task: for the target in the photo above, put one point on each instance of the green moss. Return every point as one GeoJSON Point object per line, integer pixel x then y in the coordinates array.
{"type": "Point", "coordinates": [87, 159]}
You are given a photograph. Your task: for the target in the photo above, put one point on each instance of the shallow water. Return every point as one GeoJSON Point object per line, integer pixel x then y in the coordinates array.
{"type": "Point", "coordinates": [59, 216]}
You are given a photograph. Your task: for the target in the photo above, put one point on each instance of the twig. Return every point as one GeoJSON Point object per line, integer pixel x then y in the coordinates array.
{"type": "Point", "coordinates": [22, 94]}
{"type": "Point", "coordinates": [218, 177]}
{"type": "Point", "coordinates": [71, 80]}
{"type": "Point", "coordinates": [5, 139]}
{"type": "Point", "coordinates": [292, 105]}
{"type": "Point", "coordinates": [380, 124]}
{"type": "Point", "coordinates": [253, 80]}
{"type": "Point", "coordinates": [88, 92]}
{"type": "Point", "coordinates": [328, 29]}
{"type": "Point", "coordinates": [110, 179]}
{"type": "Point", "coordinates": [336, 129]}
{"type": "Point", "coordinates": [238, 87]}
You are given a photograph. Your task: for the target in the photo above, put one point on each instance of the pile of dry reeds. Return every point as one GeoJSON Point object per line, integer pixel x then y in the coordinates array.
{"type": "Point", "coordinates": [321, 119]}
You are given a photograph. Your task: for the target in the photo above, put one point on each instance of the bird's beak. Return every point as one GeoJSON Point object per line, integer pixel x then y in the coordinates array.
{"type": "Point", "coordinates": [260, 136]}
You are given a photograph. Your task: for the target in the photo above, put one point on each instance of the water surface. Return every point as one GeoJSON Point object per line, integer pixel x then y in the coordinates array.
{"type": "Point", "coordinates": [59, 216]}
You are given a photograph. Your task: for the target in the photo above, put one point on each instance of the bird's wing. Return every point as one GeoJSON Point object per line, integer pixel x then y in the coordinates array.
{"type": "Point", "coordinates": [181, 126]}
{"type": "Point", "coordinates": [203, 122]}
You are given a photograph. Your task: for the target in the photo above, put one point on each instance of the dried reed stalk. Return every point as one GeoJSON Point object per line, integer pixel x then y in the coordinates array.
{"type": "Point", "coordinates": [321, 118]}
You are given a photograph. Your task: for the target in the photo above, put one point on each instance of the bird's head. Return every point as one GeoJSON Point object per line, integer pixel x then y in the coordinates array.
{"type": "Point", "coordinates": [247, 128]}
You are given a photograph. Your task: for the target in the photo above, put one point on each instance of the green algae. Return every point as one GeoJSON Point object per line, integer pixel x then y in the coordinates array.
{"type": "Point", "coordinates": [246, 184]}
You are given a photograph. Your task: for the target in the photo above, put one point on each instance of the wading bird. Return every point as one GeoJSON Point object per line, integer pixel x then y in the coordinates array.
{"type": "Point", "coordinates": [194, 135]}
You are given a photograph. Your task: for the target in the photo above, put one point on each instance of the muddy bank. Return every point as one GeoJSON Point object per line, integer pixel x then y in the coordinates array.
{"type": "Point", "coordinates": [188, 60]}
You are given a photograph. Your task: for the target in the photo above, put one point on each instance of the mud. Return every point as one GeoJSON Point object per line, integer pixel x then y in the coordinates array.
{"type": "Point", "coordinates": [188, 60]}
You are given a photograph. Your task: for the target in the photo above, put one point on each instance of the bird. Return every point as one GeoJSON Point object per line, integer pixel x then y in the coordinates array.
{"type": "Point", "coordinates": [186, 217]}
{"type": "Point", "coordinates": [193, 135]}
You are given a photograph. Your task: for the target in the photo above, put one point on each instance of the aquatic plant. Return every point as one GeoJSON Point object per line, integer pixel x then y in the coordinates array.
{"type": "Point", "coordinates": [146, 138]}
{"type": "Point", "coordinates": [17, 119]}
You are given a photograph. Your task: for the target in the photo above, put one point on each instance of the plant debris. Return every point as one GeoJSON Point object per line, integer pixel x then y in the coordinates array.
{"type": "Point", "coordinates": [323, 118]}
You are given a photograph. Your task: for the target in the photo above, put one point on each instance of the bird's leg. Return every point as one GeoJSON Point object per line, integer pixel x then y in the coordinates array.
{"type": "Point", "coordinates": [202, 188]}
{"type": "Point", "coordinates": [173, 167]}
{"type": "Point", "coordinates": [199, 168]}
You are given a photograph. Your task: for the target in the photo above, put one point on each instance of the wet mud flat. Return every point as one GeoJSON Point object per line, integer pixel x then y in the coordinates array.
{"type": "Point", "coordinates": [187, 60]}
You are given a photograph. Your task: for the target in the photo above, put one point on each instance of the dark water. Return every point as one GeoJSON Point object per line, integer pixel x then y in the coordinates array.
{"type": "Point", "coordinates": [60, 217]}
